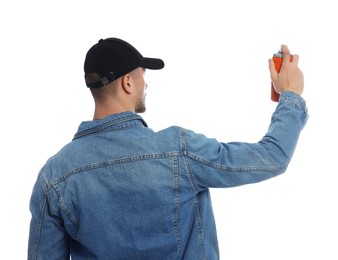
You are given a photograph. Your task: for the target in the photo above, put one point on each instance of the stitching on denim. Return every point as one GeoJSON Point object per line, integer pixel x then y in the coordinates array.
{"type": "Point", "coordinates": [191, 176]}
{"type": "Point", "coordinates": [109, 163]}
{"type": "Point", "coordinates": [108, 124]}
{"type": "Point", "coordinates": [200, 228]}
{"type": "Point", "coordinates": [63, 206]}
{"type": "Point", "coordinates": [177, 204]}
{"type": "Point", "coordinates": [38, 228]}
{"type": "Point", "coordinates": [182, 142]}
{"type": "Point", "coordinates": [236, 169]}
{"type": "Point", "coordinates": [185, 153]}
{"type": "Point", "coordinates": [109, 129]}
{"type": "Point", "coordinates": [118, 127]}
{"type": "Point", "coordinates": [292, 101]}
{"type": "Point", "coordinates": [290, 98]}
{"type": "Point", "coordinates": [44, 185]}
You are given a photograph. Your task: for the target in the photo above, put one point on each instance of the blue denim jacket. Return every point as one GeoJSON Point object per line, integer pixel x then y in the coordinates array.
{"type": "Point", "coordinates": [120, 190]}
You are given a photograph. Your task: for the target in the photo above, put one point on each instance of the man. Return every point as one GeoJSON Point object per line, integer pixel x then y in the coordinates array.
{"type": "Point", "coordinates": [120, 190]}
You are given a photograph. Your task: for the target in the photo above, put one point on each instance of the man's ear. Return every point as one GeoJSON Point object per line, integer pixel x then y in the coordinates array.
{"type": "Point", "coordinates": [127, 83]}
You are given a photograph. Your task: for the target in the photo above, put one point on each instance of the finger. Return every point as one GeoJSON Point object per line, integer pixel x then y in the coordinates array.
{"type": "Point", "coordinates": [295, 59]}
{"type": "Point", "coordinates": [286, 55]}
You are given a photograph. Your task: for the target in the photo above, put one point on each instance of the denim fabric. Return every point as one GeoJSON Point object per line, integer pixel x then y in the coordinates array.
{"type": "Point", "coordinates": [120, 190]}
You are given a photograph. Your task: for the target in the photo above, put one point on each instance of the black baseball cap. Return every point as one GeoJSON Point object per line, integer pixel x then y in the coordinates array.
{"type": "Point", "coordinates": [112, 58]}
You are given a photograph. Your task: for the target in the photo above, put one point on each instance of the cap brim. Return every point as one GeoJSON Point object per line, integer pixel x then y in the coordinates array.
{"type": "Point", "coordinates": [152, 63]}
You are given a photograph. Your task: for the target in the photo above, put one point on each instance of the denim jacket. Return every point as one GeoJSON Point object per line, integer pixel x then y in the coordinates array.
{"type": "Point", "coordinates": [120, 190]}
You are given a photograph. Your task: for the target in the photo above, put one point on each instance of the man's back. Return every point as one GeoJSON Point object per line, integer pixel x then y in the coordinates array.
{"type": "Point", "coordinates": [123, 191]}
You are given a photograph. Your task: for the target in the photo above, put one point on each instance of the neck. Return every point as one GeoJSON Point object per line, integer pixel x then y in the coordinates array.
{"type": "Point", "coordinates": [101, 112]}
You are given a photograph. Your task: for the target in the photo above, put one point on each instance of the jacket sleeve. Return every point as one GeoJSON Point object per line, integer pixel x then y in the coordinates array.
{"type": "Point", "coordinates": [47, 236]}
{"type": "Point", "coordinates": [214, 164]}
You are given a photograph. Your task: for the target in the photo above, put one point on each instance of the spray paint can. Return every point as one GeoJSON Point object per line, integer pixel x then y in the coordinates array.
{"type": "Point", "coordinates": [278, 60]}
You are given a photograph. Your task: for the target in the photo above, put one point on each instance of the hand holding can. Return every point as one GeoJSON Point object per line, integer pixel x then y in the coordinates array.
{"type": "Point", "coordinates": [285, 73]}
{"type": "Point", "coordinates": [278, 60]}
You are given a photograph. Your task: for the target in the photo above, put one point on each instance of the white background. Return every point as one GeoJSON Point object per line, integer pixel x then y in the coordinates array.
{"type": "Point", "coordinates": [216, 81]}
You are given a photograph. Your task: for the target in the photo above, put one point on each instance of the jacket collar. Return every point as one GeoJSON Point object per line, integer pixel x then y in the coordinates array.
{"type": "Point", "coordinates": [90, 127]}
